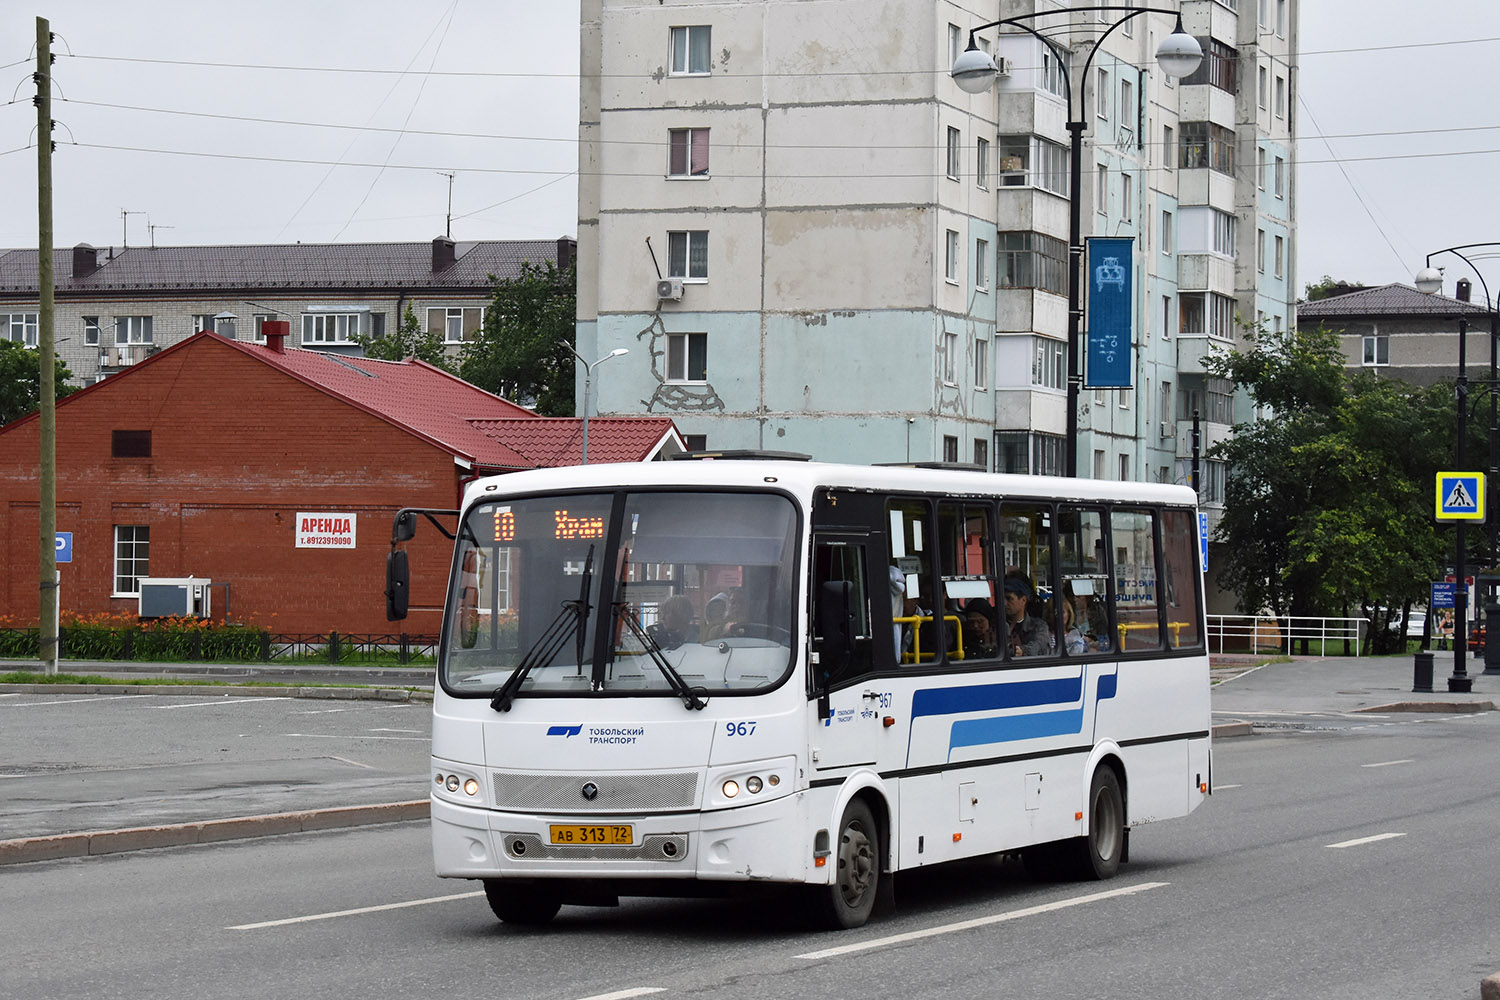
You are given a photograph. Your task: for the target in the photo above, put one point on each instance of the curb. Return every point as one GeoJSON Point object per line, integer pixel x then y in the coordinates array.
{"type": "Point", "coordinates": [1231, 729]}
{"type": "Point", "coordinates": [228, 691]}
{"type": "Point", "coordinates": [1446, 707]}
{"type": "Point", "coordinates": [78, 845]}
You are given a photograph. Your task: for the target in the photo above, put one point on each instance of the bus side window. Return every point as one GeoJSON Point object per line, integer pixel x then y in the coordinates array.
{"type": "Point", "coordinates": [1137, 596]}
{"type": "Point", "coordinates": [1180, 559]}
{"type": "Point", "coordinates": [911, 557]}
{"type": "Point", "coordinates": [969, 584]}
{"type": "Point", "coordinates": [1085, 582]}
{"type": "Point", "coordinates": [1028, 626]}
{"type": "Point", "coordinates": [844, 561]}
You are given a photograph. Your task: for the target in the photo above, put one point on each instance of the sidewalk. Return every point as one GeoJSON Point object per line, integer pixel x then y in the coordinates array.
{"type": "Point", "coordinates": [207, 804]}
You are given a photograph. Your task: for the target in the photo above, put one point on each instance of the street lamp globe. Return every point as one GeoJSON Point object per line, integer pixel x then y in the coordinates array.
{"type": "Point", "coordinates": [974, 70]}
{"type": "Point", "coordinates": [1429, 280]}
{"type": "Point", "coordinates": [1180, 53]}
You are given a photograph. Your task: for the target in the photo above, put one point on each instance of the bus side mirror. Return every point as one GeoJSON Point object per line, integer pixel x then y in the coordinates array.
{"type": "Point", "coordinates": [404, 527]}
{"type": "Point", "coordinates": [397, 583]}
{"type": "Point", "coordinates": [835, 630]}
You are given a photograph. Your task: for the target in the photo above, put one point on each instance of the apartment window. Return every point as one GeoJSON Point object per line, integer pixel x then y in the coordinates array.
{"type": "Point", "coordinates": [20, 327]}
{"type": "Point", "coordinates": [950, 448]}
{"type": "Point", "coordinates": [456, 324]}
{"type": "Point", "coordinates": [1280, 18]}
{"type": "Point", "coordinates": [1031, 161]}
{"type": "Point", "coordinates": [1206, 313]}
{"type": "Point", "coordinates": [1205, 144]}
{"type": "Point", "coordinates": [1124, 468]}
{"type": "Point", "coordinates": [687, 152]}
{"type": "Point", "coordinates": [950, 361]}
{"type": "Point", "coordinates": [981, 364]}
{"type": "Point", "coordinates": [982, 454]}
{"type": "Point", "coordinates": [1103, 93]}
{"type": "Point", "coordinates": [950, 257]}
{"type": "Point", "coordinates": [1127, 197]}
{"type": "Point", "coordinates": [1101, 195]}
{"type": "Point", "coordinates": [91, 330]}
{"type": "Point", "coordinates": [1032, 260]}
{"type": "Point", "coordinates": [1127, 101]}
{"type": "Point", "coordinates": [132, 562]}
{"type": "Point", "coordinates": [129, 444]}
{"type": "Point", "coordinates": [955, 151]}
{"type": "Point", "coordinates": [258, 326]}
{"type": "Point", "coordinates": [695, 442]}
{"type": "Point", "coordinates": [687, 357]}
{"type": "Point", "coordinates": [1098, 464]}
{"type": "Point", "coordinates": [1280, 96]}
{"type": "Point", "coordinates": [1260, 88]}
{"type": "Point", "coordinates": [1166, 317]}
{"type": "Point", "coordinates": [203, 321]}
{"type": "Point", "coordinates": [1166, 232]}
{"type": "Point", "coordinates": [330, 328]}
{"type": "Point", "coordinates": [1260, 250]}
{"type": "Point", "coordinates": [132, 330]}
{"type": "Point", "coordinates": [1225, 226]}
{"type": "Point", "coordinates": [1280, 255]}
{"type": "Point", "coordinates": [982, 163]}
{"type": "Point", "coordinates": [1377, 350]}
{"type": "Point", "coordinates": [1047, 368]}
{"type": "Point", "coordinates": [1260, 167]}
{"type": "Point", "coordinates": [1213, 398]}
{"type": "Point", "coordinates": [1168, 147]}
{"type": "Point", "coordinates": [687, 254]}
{"type": "Point", "coordinates": [1264, 13]}
{"type": "Point", "coordinates": [1166, 404]}
{"type": "Point", "coordinates": [690, 49]}
{"type": "Point", "coordinates": [1218, 66]}
{"type": "Point", "coordinates": [955, 43]}
{"type": "Point", "coordinates": [1055, 71]}
{"type": "Point", "coordinates": [1280, 177]}
{"type": "Point", "coordinates": [982, 265]}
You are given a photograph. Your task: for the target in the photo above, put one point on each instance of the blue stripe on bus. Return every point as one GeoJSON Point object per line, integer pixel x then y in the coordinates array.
{"type": "Point", "coordinates": [1009, 728]}
{"type": "Point", "coordinates": [1108, 683]}
{"type": "Point", "coordinates": [988, 697]}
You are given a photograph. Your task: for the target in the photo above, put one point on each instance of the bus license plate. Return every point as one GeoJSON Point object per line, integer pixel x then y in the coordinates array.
{"type": "Point", "coordinates": [578, 834]}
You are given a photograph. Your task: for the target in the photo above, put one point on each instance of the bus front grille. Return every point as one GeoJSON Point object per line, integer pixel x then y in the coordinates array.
{"type": "Point", "coordinates": [594, 793]}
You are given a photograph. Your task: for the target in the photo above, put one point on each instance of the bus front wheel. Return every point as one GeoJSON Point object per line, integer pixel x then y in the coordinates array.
{"type": "Point", "coordinates": [849, 901]}
{"type": "Point", "coordinates": [529, 903]}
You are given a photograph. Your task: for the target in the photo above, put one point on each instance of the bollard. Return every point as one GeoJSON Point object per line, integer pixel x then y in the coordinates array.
{"type": "Point", "coordinates": [1421, 678]}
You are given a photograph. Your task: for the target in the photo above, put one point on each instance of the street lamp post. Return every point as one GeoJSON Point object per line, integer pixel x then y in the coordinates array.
{"type": "Point", "coordinates": [588, 380]}
{"type": "Point", "coordinates": [1430, 280]}
{"type": "Point", "coordinates": [975, 71]}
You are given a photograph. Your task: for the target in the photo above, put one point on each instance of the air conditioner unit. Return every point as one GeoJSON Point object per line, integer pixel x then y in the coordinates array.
{"type": "Point", "coordinates": [1168, 429]}
{"type": "Point", "coordinates": [669, 288]}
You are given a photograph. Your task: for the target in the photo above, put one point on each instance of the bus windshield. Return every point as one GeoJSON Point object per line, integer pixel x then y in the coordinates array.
{"type": "Point", "coordinates": [615, 593]}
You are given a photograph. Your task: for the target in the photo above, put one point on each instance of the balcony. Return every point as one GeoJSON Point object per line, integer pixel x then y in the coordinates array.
{"type": "Point", "coordinates": [117, 357]}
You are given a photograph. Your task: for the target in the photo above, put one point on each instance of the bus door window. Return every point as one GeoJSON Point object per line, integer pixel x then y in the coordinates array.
{"type": "Point", "coordinates": [969, 586]}
{"type": "Point", "coordinates": [1138, 606]}
{"type": "Point", "coordinates": [911, 556]}
{"type": "Point", "coordinates": [1027, 628]}
{"type": "Point", "coordinates": [1085, 582]}
{"type": "Point", "coordinates": [1180, 559]}
{"type": "Point", "coordinates": [838, 560]}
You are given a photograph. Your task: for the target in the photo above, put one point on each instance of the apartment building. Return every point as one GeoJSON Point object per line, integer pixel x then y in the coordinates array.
{"type": "Point", "coordinates": [811, 239]}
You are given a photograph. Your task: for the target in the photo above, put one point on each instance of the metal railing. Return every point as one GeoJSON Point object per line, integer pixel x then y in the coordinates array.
{"type": "Point", "coordinates": [1267, 633]}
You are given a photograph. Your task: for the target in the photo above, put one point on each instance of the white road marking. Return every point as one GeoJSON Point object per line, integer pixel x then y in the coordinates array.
{"type": "Point", "coordinates": [1220, 788]}
{"type": "Point", "coordinates": [61, 701]}
{"type": "Point", "coordinates": [353, 763]}
{"type": "Point", "coordinates": [225, 701]}
{"type": "Point", "coordinates": [1390, 763]}
{"type": "Point", "coordinates": [336, 736]}
{"type": "Point", "coordinates": [351, 913]}
{"type": "Point", "coordinates": [321, 711]}
{"type": "Point", "coordinates": [1366, 840]}
{"type": "Point", "coordinates": [396, 730]}
{"type": "Point", "coordinates": [964, 925]}
{"type": "Point", "coordinates": [639, 991]}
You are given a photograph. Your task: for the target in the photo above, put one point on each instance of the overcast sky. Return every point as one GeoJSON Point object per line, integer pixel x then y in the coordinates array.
{"type": "Point", "coordinates": [1411, 120]}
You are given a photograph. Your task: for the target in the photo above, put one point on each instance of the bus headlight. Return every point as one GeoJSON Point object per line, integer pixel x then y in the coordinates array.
{"type": "Point", "coordinates": [731, 788]}
{"type": "Point", "coordinates": [452, 784]}
{"type": "Point", "coordinates": [752, 784]}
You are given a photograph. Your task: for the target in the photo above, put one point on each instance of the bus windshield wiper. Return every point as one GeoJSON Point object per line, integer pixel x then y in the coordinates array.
{"type": "Point", "coordinates": [690, 696]}
{"type": "Point", "coordinates": [569, 622]}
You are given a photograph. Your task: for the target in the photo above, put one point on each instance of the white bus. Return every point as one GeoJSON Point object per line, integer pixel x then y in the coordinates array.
{"type": "Point", "coordinates": [702, 677]}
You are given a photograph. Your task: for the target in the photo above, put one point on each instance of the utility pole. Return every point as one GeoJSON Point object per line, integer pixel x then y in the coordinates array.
{"type": "Point", "coordinates": [47, 513]}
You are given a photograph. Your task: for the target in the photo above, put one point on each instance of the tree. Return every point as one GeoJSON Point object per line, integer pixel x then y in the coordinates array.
{"type": "Point", "coordinates": [408, 341]}
{"type": "Point", "coordinates": [1328, 499]}
{"type": "Point", "coordinates": [518, 354]}
{"type": "Point", "coordinates": [21, 380]}
{"type": "Point", "coordinates": [1327, 288]}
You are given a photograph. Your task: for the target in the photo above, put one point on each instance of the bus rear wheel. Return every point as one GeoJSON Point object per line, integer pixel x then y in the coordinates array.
{"type": "Point", "coordinates": [849, 901]}
{"type": "Point", "coordinates": [528, 903]}
{"type": "Point", "coordinates": [1097, 854]}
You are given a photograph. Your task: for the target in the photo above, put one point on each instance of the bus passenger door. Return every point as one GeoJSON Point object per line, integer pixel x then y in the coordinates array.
{"type": "Point", "coordinates": [848, 733]}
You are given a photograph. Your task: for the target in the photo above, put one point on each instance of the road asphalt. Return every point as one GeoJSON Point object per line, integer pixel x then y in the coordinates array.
{"type": "Point", "coordinates": [100, 820]}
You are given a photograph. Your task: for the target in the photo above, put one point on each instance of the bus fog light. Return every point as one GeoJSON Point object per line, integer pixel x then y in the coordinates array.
{"type": "Point", "coordinates": [471, 787]}
{"type": "Point", "coordinates": [731, 789]}
{"type": "Point", "coordinates": [439, 778]}
{"type": "Point", "coordinates": [452, 784]}
{"type": "Point", "coordinates": [752, 785]}
{"type": "Point", "coordinates": [774, 780]}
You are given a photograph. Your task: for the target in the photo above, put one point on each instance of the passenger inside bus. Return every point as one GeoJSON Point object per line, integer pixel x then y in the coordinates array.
{"type": "Point", "coordinates": [1029, 635]}
{"type": "Point", "coordinates": [979, 629]}
{"type": "Point", "coordinates": [674, 623]}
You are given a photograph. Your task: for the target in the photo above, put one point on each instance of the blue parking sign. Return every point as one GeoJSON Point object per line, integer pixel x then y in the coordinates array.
{"type": "Point", "coordinates": [64, 546]}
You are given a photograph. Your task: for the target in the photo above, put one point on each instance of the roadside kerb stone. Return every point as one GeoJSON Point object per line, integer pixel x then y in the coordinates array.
{"type": "Point", "coordinates": [77, 845]}
{"type": "Point", "coordinates": [1444, 707]}
{"type": "Point", "coordinates": [1225, 730]}
{"type": "Point", "coordinates": [228, 691]}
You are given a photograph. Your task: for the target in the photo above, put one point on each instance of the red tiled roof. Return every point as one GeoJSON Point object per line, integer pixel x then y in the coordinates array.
{"type": "Point", "coordinates": [546, 442]}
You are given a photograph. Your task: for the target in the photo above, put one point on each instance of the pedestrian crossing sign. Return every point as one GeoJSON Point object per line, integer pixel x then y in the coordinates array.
{"type": "Point", "coordinates": [1460, 496]}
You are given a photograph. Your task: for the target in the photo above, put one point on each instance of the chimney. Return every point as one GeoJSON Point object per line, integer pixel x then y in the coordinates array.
{"type": "Point", "coordinates": [276, 331]}
{"type": "Point", "coordinates": [442, 254]}
{"type": "Point", "coordinates": [85, 260]}
{"type": "Point", "coordinates": [567, 249]}
{"type": "Point", "coordinates": [1463, 290]}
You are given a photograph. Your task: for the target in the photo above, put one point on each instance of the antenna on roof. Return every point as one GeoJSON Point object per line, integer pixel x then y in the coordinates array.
{"type": "Point", "coordinates": [152, 231]}
{"type": "Point", "coordinates": [124, 231]}
{"type": "Point", "coordinates": [449, 230]}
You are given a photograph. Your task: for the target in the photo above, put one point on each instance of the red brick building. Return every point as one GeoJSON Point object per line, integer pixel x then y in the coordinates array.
{"type": "Point", "coordinates": [198, 461]}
